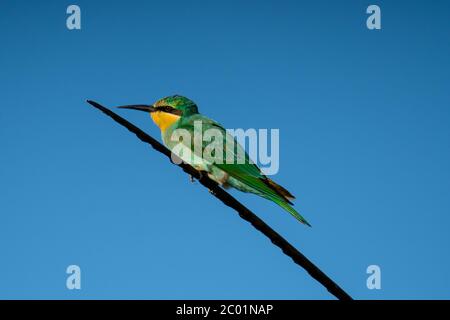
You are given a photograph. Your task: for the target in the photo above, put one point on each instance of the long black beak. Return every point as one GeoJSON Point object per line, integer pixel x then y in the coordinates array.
{"type": "Point", "coordinates": [140, 107]}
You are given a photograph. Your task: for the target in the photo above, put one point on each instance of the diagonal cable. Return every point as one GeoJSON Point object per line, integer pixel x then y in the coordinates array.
{"type": "Point", "coordinates": [230, 201]}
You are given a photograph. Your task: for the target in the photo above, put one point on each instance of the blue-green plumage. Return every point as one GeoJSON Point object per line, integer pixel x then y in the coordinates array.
{"type": "Point", "coordinates": [176, 115]}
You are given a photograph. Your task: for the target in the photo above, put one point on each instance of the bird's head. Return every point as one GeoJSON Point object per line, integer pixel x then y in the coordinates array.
{"type": "Point", "coordinates": [168, 110]}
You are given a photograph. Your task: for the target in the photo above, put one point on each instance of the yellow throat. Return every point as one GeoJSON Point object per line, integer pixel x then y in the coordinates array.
{"type": "Point", "coordinates": [163, 119]}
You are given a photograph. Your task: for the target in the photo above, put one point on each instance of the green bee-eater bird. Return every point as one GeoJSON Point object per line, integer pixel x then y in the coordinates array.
{"type": "Point", "coordinates": [177, 112]}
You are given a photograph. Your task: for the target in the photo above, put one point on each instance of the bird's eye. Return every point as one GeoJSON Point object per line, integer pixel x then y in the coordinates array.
{"type": "Point", "coordinates": [165, 108]}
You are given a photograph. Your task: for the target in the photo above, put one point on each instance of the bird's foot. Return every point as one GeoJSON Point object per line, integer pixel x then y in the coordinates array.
{"type": "Point", "coordinates": [202, 174]}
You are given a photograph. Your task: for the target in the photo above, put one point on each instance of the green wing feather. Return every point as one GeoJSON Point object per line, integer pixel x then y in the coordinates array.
{"type": "Point", "coordinates": [248, 172]}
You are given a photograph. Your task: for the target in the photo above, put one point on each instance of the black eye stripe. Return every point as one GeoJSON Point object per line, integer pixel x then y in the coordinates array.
{"type": "Point", "coordinates": [165, 108]}
{"type": "Point", "coordinates": [169, 109]}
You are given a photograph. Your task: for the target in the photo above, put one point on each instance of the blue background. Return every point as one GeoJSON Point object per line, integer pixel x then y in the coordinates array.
{"type": "Point", "coordinates": [365, 145]}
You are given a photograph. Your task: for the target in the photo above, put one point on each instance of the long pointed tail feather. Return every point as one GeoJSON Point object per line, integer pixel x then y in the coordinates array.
{"type": "Point", "coordinates": [286, 206]}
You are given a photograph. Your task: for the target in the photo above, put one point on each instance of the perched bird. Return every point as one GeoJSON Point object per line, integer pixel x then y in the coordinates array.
{"type": "Point", "coordinates": [174, 113]}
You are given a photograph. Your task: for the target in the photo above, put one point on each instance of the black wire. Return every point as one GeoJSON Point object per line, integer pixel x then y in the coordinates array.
{"type": "Point", "coordinates": [230, 201]}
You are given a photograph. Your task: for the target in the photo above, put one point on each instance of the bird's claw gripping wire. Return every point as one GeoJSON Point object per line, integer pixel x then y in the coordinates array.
{"type": "Point", "coordinates": [204, 174]}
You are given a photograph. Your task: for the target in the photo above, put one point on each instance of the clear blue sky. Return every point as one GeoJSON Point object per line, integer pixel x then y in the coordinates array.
{"type": "Point", "coordinates": [364, 119]}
